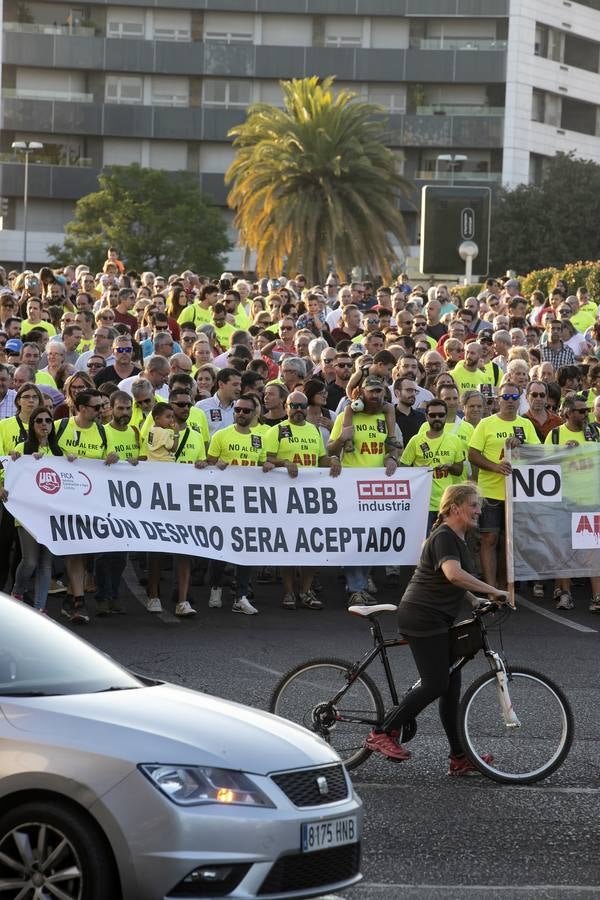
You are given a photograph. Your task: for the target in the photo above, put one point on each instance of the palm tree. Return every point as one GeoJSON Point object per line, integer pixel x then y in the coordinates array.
{"type": "Point", "coordinates": [313, 183]}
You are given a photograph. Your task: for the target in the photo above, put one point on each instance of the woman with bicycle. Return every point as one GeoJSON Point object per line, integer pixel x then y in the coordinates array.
{"type": "Point", "coordinates": [441, 582]}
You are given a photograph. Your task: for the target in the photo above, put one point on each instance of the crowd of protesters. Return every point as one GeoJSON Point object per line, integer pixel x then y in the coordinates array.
{"type": "Point", "coordinates": [120, 365]}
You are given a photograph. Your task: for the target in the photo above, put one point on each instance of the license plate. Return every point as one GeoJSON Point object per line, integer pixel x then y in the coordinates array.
{"type": "Point", "coordinates": [333, 833]}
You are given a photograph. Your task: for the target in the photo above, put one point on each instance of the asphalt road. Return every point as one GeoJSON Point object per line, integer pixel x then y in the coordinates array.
{"type": "Point", "coordinates": [427, 836]}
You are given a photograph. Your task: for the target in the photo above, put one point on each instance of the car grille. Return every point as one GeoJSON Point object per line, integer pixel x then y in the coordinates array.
{"type": "Point", "coordinates": [302, 788]}
{"type": "Point", "coordinates": [312, 870]}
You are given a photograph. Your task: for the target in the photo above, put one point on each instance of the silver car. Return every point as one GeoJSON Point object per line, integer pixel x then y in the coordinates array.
{"type": "Point", "coordinates": [115, 787]}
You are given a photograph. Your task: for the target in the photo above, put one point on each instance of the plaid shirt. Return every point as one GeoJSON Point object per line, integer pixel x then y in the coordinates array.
{"type": "Point", "coordinates": [558, 358]}
{"type": "Point", "coordinates": [7, 405]}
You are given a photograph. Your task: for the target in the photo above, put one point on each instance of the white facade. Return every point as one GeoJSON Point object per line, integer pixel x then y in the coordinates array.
{"type": "Point", "coordinates": [526, 71]}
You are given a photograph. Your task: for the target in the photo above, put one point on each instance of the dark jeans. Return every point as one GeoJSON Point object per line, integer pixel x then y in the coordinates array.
{"type": "Point", "coordinates": [36, 562]}
{"type": "Point", "coordinates": [109, 570]}
{"type": "Point", "coordinates": [216, 569]}
{"type": "Point", "coordinates": [432, 658]}
{"type": "Point", "coordinates": [8, 541]}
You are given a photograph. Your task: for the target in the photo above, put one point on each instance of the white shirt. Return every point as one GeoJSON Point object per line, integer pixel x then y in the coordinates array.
{"type": "Point", "coordinates": [334, 317]}
{"type": "Point", "coordinates": [125, 385]}
{"type": "Point", "coordinates": [7, 404]}
{"type": "Point", "coordinates": [218, 416]}
{"type": "Point", "coordinates": [81, 364]}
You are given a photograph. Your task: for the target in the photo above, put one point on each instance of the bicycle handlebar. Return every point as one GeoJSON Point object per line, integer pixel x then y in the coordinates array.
{"type": "Point", "coordinates": [489, 606]}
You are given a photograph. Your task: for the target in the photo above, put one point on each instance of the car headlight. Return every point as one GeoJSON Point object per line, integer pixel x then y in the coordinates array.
{"type": "Point", "coordinates": [196, 785]}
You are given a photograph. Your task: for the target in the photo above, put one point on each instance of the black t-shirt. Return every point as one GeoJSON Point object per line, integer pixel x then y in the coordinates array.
{"type": "Point", "coordinates": [431, 603]}
{"type": "Point", "coordinates": [436, 331]}
{"type": "Point", "coordinates": [109, 374]}
{"type": "Point", "coordinates": [334, 395]}
{"type": "Point", "coordinates": [410, 424]}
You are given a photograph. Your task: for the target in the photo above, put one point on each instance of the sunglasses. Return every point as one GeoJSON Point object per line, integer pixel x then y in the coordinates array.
{"type": "Point", "coordinates": [372, 321]}
{"type": "Point", "coordinates": [439, 415]}
{"type": "Point", "coordinates": [42, 422]}
{"type": "Point", "coordinates": [286, 328]}
{"type": "Point", "coordinates": [95, 366]}
{"type": "Point", "coordinates": [328, 362]}
{"type": "Point", "coordinates": [347, 365]}
{"type": "Point", "coordinates": [584, 409]}
{"type": "Point", "coordinates": [509, 396]}
{"type": "Point", "coordinates": [537, 394]}
{"type": "Point", "coordinates": [96, 406]}
{"type": "Point", "coordinates": [124, 349]}
{"type": "Point", "coordinates": [182, 404]}
{"type": "Point", "coordinates": [188, 340]}
{"type": "Point", "coordinates": [107, 318]}
{"type": "Point", "coordinates": [243, 409]}
{"type": "Point", "coordinates": [298, 405]}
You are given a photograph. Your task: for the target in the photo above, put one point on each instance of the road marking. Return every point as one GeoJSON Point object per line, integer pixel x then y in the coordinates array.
{"type": "Point", "coordinates": [384, 786]}
{"type": "Point", "coordinates": [469, 888]}
{"type": "Point", "coordinates": [553, 617]}
{"type": "Point", "coordinates": [134, 586]}
{"type": "Point", "coordinates": [253, 665]}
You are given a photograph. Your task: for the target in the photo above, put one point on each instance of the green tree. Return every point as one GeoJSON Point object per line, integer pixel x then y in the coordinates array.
{"type": "Point", "coordinates": [313, 183]}
{"type": "Point", "coordinates": [157, 220]}
{"type": "Point", "coordinates": [551, 224]}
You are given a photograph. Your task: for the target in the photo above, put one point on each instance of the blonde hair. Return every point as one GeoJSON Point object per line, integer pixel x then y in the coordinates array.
{"type": "Point", "coordinates": [455, 495]}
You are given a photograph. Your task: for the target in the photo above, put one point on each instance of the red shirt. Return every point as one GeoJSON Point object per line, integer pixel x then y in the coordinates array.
{"type": "Point", "coordinates": [126, 319]}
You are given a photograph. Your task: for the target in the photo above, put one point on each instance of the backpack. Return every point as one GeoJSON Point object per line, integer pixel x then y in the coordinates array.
{"type": "Point", "coordinates": [63, 426]}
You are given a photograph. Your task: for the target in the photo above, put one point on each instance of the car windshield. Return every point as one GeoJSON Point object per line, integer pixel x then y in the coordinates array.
{"type": "Point", "coordinates": [40, 658]}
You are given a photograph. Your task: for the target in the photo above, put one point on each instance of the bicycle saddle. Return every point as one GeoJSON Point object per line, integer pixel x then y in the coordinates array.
{"type": "Point", "coordinates": [366, 611]}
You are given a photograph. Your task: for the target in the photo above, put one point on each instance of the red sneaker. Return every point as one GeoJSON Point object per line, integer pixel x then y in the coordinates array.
{"type": "Point", "coordinates": [387, 745]}
{"type": "Point", "coordinates": [462, 765]}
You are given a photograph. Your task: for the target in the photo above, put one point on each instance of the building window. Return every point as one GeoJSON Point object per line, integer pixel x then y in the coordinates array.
{"type": "Point", "coordinates": [172, 25]}
{"type": "Point", "coordinates": [229, 28]}
{"type": "Point", "coordinates": [538, 106]}
{"type": "Point", "coordinates": [220, 92]}
{"type": "Point", "coordinates": [343, 31]}
{"type": "Point", "coordinates": [124, 89]}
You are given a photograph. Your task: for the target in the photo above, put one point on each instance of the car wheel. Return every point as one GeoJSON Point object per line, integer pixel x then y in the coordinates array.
{"type": "Point", "coordinates": [47, 850]}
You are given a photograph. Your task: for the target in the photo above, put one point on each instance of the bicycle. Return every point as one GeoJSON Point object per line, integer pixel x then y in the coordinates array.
{"type": "Point", "coordinates": [514, 712]}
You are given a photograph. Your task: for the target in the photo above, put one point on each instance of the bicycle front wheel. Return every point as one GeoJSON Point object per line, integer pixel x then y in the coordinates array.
{"type": "Point", "coordinates": [305, 696]}
{"type": "Point", "coordinates": [528, 751]}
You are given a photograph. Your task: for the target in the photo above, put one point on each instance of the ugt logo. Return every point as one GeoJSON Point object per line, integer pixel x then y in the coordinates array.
{"type": "Point", "coordinates": [48, 481]}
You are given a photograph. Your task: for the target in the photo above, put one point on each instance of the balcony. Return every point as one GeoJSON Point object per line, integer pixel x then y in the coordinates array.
{"type": "Point", "coordinates": [458, 43]}
{"type": "Point", "coordinates": [39, 94]}
{"type": "Point", "coordinates": [459, 177]}
{"type": "Point", "coordinates": [463, 109]}
{"type": "Point", "coordinates": [64, 157]}
{"type": "Point", "coordinates": [41, 28]}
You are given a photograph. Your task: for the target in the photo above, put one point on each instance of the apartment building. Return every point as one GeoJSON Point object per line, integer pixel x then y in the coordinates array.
{"type": "Point", "coordinates": [477, 91]}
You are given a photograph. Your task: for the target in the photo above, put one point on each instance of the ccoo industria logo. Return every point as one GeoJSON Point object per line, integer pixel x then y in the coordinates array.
{"type": "Point", "coordinates": [383, 494]}
{"type": "Point", "coordinates": [48, 481]}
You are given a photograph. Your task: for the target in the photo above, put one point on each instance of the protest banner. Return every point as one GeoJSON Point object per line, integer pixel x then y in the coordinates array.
{"type": "Point", "coordinates": [553, 512]}
{"type": "Point", "coordinates": [239, 514]}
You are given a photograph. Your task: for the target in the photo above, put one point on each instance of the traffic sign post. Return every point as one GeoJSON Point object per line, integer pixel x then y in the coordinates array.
{"type": "Point", "coordinates": [455, 230]}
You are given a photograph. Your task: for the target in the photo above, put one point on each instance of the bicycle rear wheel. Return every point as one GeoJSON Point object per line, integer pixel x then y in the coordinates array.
{"type": "Point", "coordinates": [304, 695]}
{"type": "Point", "coordinates": [526, 753]}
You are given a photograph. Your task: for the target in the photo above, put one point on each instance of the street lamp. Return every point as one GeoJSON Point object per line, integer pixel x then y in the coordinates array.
{"type": "Point", "coordinates": [453, 160]}
{"type": "Point", "coordinates": [26, 147]}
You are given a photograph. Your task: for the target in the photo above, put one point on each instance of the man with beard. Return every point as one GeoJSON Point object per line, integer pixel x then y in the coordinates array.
{"type": "Point", "coordinates": [295, 444]}
{"type": "Point", "coordinates": [437, 449]}
{"type": "Point", "coordinates": [367, 435]}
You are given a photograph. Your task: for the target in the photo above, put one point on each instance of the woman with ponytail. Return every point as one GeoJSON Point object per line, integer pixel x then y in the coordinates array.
{"type": "Point", "coordinates": [441, 583]}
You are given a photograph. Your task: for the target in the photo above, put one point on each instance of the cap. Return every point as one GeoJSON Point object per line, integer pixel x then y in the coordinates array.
{"type": "Point", "coordinates": [13, 345]}
{"type": "Point", "coordinates": [485, 336]}
{"type": "Point", "coordinates": [512, 283]}
{"type": "Point", "coordinates": [356, 350]}
{"type": "Point", "coordinates": [380, 308]}
{"type": "Point", "coordinates": [373, 382]}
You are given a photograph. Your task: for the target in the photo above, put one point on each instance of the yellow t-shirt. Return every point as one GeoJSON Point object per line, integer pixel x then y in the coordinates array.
{"type": "Point", "coordinates": [126, 444]}
{"type": "Point", "coordinates": [84, 442]}
{"type": "Point", "coordinates": [26, 327]}
{"type": "Point", "coordinates": [224, 333]}
{"type": "Point", "coordinates": [193, 445]}
{"type": "Point", "coordinates": [470, 381]}
{"type": "Point", "coordinates": [241, 318]}
{"type": "Point", "coordinates": [489, 438]}
{"type": "Point", "coordinates": [425, 451]}
{"type": "Point", "coordinates": [196, 314]}
{"type": "Point", "coordinates": [582, 319]}
{"type": "Point", "coordinates": [463, 431]}
{"type": "Point", "coordinates": [301, 444]}
{"type": "Point", "coordinates": [12, 432]}
{"type": "Point", "coordinates": [159, 444]}
{"type": "Point", "coordinates": [45, 378]}
{"type": "Point", "coordinates": [370, 434]}
{"type": "Point", "coordinates": [237, 449]}
{"type": "Point", "coordinates": [565, 435]}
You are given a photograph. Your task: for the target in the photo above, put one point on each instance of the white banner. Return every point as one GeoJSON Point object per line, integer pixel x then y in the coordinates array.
{"type": "Point", "coordinates": [240, 514]}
